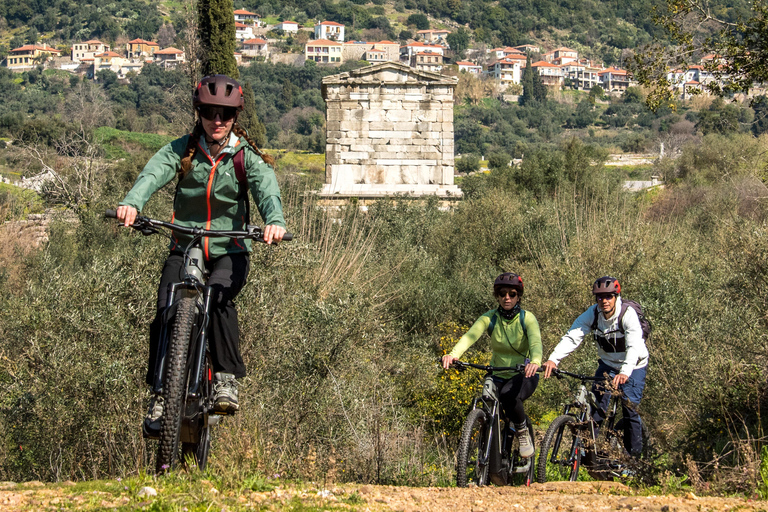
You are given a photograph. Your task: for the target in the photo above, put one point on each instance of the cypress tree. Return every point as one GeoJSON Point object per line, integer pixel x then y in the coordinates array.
{"type": "Point", "coordinates": [249, 119]}
{"type": "Point", "coordinates": [528, 87]}
{"type": "Point", "coordinates": [217, 37]}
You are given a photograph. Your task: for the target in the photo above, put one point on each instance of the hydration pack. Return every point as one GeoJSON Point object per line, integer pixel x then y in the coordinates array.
{"type": "Point", "coordinates": [620, 345]}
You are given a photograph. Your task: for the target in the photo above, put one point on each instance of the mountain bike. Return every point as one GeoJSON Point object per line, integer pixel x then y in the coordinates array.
{"type": "Point", "coordinates": [571, 440]}
{"type": "Point", "coordinates": [488, 448]}
{"type": "Point", "coordinates": [183, 374]}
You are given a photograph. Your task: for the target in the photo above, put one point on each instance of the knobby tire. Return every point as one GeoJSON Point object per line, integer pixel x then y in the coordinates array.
{"type": "Point", "coordinates": [564, 466]}
{"type": "Point", "coordinates": [174, 385]}
{"type": "Point", "coordinates": [472, 444]}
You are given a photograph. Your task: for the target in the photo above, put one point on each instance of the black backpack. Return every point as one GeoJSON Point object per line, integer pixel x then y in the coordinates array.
{"type": "Point", "coordinates": [625, 303]}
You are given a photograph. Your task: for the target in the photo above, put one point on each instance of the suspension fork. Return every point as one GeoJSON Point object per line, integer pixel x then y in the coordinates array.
{"type": "Point", "coordinates": [201, 342]}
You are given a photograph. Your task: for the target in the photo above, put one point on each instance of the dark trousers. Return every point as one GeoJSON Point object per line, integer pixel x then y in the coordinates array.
{"type": "Point", "coordinates": [633, 394]}
{"type": "Point", "coordinates": [228, 276]}
{"type": "Point", "coordinates": [512, 393]}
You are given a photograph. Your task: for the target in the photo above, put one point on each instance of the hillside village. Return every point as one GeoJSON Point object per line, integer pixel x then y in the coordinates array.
{"type": "Point", "coordinates": [326, 45]}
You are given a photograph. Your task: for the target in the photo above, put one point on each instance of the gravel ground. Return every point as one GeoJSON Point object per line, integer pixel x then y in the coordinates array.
{"type": "Point", "coordinates": [550, 497]}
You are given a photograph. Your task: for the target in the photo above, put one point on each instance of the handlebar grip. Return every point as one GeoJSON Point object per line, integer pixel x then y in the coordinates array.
{"type": "Point", "coordinates": [110, 214]}
{"type": "Point", "coordinates": [287, 237]}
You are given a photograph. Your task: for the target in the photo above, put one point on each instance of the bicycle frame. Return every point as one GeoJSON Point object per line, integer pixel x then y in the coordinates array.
{"type": "Point", "coordinates": [585, 403]}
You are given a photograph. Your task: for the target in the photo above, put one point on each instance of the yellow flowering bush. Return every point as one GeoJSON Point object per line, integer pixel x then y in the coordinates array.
{"type": "Point", "coordinates": [446, 403]}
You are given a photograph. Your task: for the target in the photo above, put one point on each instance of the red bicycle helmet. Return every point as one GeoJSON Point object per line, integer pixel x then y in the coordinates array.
{"type": "Point", "coordinates": [606, 284]}
{"type": "Point", "coordinates": [218, 91]}
{"type": "Point", "coordinates": [509, 279]}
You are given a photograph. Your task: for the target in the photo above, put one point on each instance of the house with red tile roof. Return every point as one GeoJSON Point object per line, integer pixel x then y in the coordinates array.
{"type": "Point", "coordinates": [470, 67]}
{"type": "Point", "coordinates": [139, 48]}
{"type": "Point", "coordinates": [169, 58]}
{"type": "Point", "coordinates": [561, 55]}
{"type": "Point", "coordinates": [508, 70]}
{"type": "Point", "coordinates": [500, 53]}
{"type": "Point", "coordinates": [88, 49]}
{"type": "Point", "coordinates": [255, 47]}
{"type": "Point", "coordinates": [528, 48]}
{"type": "Point", "coordinates": [329, 30]}
{"type": "Point", "coordinates": [243, 31]}
{"type": "Point", "coordinates": [247, 17]}
{"type": "Point", "coordinates": [550, 74]}
{"type": "Point", "coordinates": [30, 55]}
{"type": "Point", "coordinates": [614, 80]}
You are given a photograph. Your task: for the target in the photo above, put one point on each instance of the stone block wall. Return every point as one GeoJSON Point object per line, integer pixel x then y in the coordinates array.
{"type": "Point", "coordinates": [389, 130]}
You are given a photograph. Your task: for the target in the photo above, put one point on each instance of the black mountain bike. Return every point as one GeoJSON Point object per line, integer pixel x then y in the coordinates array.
{"type": "Point", "coordinates": [488, 449]}
{"type": "Point", "coordinates": [570, 440]}
{"type": "Point", "coordinates": [183, 373]}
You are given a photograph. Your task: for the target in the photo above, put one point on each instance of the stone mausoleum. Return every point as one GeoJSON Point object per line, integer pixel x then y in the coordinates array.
{"type": "Point", "coordinates": [389, 132]}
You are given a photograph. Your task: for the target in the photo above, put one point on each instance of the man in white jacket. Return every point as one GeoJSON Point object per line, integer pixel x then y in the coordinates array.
{"type": "Point", "coordinates": [622, 351]}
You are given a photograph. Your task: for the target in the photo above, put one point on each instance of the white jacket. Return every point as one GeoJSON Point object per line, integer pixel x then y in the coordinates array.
{"type": "Point", "coordinates": [636, 353]}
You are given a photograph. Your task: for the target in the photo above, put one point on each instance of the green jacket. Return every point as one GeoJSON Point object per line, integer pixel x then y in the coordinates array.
{"type": "Point", "coordinates": [207, 195]}
{"type": "Point", "coordinates": [509, 344]}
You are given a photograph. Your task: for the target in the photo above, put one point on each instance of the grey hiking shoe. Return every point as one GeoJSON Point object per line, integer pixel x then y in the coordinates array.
{"type": "Point", "coordinates": [151, 426]}
{"type": "Point", "coordinates": [525, 442]}
{"type": "Point", "coordinates": [225, 393]}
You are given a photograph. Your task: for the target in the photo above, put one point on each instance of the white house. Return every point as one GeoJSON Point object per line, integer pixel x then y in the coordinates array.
{"type": "Point", "coordinates": [255, 47]}
{"type": "Point", "coordinates": [507, 70]}
{"type": "Point", "coordinates": [288, 26]}
{"type": "Point", "coordinates": [470, 67]}
{"type": "Point", "coordinates": [243, 31]}
{"type": "Point", "coordinates": [329, 30]}
{"type": "Point", "coordinates": [88, 49]}
{"type": "Point", "coordinates": [247, 17]}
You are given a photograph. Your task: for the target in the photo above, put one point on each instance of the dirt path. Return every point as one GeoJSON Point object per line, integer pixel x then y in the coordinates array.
{"type": "Point", "coordinates": [556, 497]}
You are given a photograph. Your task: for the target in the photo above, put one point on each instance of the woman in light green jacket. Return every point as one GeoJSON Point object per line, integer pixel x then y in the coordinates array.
{"type": "Point", "coordinates": [515, 340]}
{"type": "Point", "coordinates": [209, 195]}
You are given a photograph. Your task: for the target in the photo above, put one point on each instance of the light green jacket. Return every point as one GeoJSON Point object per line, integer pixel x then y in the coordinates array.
{"type": "Point", "coordinates": [509, 343]}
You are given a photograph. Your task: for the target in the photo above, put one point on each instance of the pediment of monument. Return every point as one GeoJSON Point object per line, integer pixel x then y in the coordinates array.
{"type": "Point", "coordinates": [389, 73]}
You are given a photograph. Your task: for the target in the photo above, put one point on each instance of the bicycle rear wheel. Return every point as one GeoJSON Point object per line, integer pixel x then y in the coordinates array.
{"type": "Point", "coordinates": [174, 385]}
{"type": "Point", "coordinates": [471, 463]}
{"type": "Point", "coordinates": [200, 427]}
{"type": "Point", "coordinates": [560, 455]}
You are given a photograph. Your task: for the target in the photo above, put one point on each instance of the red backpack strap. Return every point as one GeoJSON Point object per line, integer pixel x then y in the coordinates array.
{"type": "Point", "coordinates": [242, 180]}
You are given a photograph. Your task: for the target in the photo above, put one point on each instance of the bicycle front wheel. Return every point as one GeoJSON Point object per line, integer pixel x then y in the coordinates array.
{"type": "Point", "coordinates": [560, 455]}
{"type": "Point", "coordinates": [472, 464]}
{"type": "Point", "coordinates": [175, 384]}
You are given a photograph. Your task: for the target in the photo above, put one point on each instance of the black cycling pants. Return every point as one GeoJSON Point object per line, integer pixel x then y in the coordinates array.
{"type": "Point", "coordinates": [228, 276]}
{"type": "Point", "coordinates": [512, 393]}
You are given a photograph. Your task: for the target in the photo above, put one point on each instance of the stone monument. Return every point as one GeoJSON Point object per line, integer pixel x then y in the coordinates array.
{"type": "Point", "coordinates": [389, 132]}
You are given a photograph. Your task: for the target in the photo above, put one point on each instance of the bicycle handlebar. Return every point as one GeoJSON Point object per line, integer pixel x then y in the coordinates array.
{"type": "Point", "coordinates": [148, 226]}
{"type": "Point", "coordinates": [461, 366]}
{"type": "Point", "coordinates": [520, 368]}
{"type": "Point", "coordinates": [560, 373]}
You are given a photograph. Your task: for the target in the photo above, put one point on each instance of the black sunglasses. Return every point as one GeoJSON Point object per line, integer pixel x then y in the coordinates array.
{"type": "Point", "coordinates": [604, 296]}
{"type": "Point", "coordinates": [224, 113]}
{"type": "Point", "coordinates": [512, 294]}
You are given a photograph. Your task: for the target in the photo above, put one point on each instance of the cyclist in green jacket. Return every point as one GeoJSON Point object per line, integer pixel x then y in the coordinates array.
{"type": "Point", "coordinates": [209, 195]}
{"type": "Point", "coordinates": [512, 343]}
